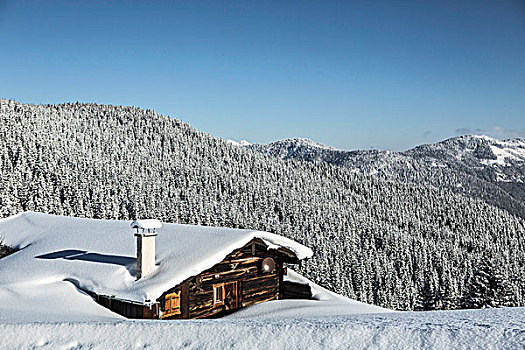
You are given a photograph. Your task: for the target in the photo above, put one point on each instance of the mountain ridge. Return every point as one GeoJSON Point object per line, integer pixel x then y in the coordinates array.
{"type": "Point", "coordinates": [477, 166]}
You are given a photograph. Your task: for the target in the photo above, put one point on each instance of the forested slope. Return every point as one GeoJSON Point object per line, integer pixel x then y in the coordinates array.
{"type": "Point", "coordinates": [395, 245]}
{"type": "Point", "coordinates": [475, 166]}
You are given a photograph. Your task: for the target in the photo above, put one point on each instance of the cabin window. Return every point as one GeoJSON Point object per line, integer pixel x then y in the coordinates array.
{"type": "Point", "coordinates": [226, 294]}
{"type": "Point", "coordinates": [172, 304]}
{"type": "Point", "coordinates": [218, 294]}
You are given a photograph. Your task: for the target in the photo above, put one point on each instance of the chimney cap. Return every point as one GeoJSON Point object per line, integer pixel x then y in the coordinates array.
{"type": "Point", "coordinates": [146, 224]}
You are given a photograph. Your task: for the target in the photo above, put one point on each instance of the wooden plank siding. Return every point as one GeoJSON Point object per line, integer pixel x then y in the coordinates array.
{"type": "Point", "coordinates": [127, 308]}
{"type": "Point", "coordinates": [295, 290]}
{"type": "Point", "coordinates": [243, 266]}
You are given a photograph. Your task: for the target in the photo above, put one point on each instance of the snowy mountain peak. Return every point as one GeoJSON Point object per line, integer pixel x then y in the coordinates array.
{"type": "Point", "coordinates": [487, 150]}
{"type": "Point", "coordinates": [301, 142]}
{"type": "Point", "coordinates": [296, 148]}
{"type": "Point", "coordinates": [240, 143]}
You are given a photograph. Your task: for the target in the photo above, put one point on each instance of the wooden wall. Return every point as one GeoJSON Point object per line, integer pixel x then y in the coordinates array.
{"type": "Point", "coordinates": [244, 267]}
{"type": "Point", "coordinates": [127, 308]}
{"type": "Point", "coordinates": [295, 290]}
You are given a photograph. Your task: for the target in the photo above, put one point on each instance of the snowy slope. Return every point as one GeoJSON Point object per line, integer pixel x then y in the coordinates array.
{"type": "Point", "coordinates": [469, 329]}
{"type": "Point", "coordinates": [86, 160]}
{"type": "Point", "coordinates": [471, 150]}
{"type": "Point", "coordinates": [58, 253]}
{"type": "Point", "coordinates": [38, 283]}
{"type": "Point", "coordinates": [507, 152]}
{"type": "Point", "coordinates": [325, 304]}
{"type": "Point", "coordinates": [39, 308]}
{"type": "Point", "coordinates": [46, 312]}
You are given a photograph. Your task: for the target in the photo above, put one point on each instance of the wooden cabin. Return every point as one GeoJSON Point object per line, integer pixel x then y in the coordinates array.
{"type": "Point", "coordinates": [248, 275]}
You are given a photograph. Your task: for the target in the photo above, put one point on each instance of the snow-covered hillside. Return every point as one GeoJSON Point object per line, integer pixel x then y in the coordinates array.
{"type": "Point", "coordinates": [377, 241]}
{"type": "Point", "coordinates": [474, 165]}
{"type": "Point", "coordinates": [467, 148]}
{"type": "Point", "coordinates": [469, 329]}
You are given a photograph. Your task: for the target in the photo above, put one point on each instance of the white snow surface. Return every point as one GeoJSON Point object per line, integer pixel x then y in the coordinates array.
{"type": "Point", "coordinates": [467, 329]}
{"type": "Point", "coordinates": [146, 224]}
{"type": "Point", "coordinates": [100, 256]}
{"type": "Point", "coordinates": [40, 309]}
{"type": "Point", "coordinates": [507, 150]}
{"type": "Point", "coordinates": [240, 143]}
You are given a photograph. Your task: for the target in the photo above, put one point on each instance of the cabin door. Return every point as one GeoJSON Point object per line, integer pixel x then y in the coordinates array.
{"type": "Point", "coordinates": [231, 299]}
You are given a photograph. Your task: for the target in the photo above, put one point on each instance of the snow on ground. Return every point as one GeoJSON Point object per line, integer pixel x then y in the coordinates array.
{"type": "Point", "coordinates": [480, 329]}
{"type": "Point", "coordinates": [326, 303]}
{"type": "Point", "coordinates": [513, 150]}
{"type": "Point", "coordinates": [40, 309]}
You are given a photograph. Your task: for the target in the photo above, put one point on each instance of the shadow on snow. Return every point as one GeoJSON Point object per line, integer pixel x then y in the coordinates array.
{"type": "Point", "coordinates": [74, 254]}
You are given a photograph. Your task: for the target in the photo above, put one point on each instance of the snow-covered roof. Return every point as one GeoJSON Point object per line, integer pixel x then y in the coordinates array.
{"type": "Point", "coordinates": [146, 224]}
{"type": "Point", "coordinates": [100, 255]}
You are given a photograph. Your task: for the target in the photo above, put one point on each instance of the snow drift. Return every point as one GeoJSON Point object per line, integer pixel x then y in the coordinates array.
{"type": "Point", "coordinates": [100, 255]}
{"type": "Point", "coordinates": [61, 256]}
{"type": "Point", "coordinates": [40, 308]}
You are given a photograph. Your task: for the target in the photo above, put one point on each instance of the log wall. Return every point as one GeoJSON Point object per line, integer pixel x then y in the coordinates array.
{"type": "Point", "coordinates": [244, 267]}
{"type": "Point", "coordinates": [127, 308]}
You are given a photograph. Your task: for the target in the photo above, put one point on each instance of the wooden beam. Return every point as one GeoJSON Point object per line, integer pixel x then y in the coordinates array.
{"type": "Point", "coordinates": [185, 300]}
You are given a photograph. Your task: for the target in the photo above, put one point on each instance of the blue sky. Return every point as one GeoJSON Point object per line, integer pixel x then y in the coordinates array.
{"type": "Point", "coordinates": [351, 74]}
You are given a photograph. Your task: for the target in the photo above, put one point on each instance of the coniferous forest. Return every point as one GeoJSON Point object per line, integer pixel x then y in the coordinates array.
{"type": "Point", "coordinates": [401, 246]}
{"type": "Point", "coordinates": [474, 166]}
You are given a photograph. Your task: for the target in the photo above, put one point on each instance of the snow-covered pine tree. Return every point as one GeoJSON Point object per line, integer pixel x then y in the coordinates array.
{"type": "Point", "coordinates": [488, 288]}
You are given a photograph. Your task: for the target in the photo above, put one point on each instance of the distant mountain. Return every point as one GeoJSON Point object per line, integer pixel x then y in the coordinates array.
{"type": "Point", "coordinates": [476, 166]}
{"type": "Point", "coordinates": [240, 143]}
